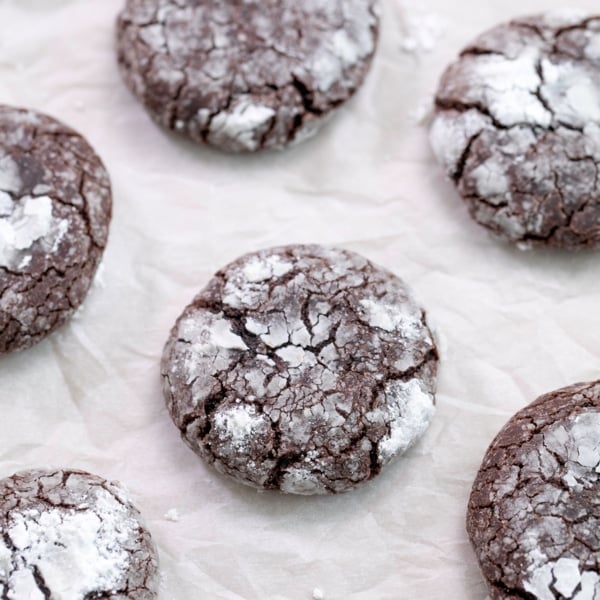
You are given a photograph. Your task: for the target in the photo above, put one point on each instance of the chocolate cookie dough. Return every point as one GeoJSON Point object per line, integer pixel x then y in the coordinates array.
{"type": "Point", "coordinates": [302, 369]}
{"type": "Point", "coordinates": [245, 76]}
{"type": "Point", "coordinates": [517, 128]}
{"type": "Point", "coordinates": [55, 208]}
{"type": "Point", "coordinates": [534, 512]}
{"type": "Point", "coordinates": [71, 535]}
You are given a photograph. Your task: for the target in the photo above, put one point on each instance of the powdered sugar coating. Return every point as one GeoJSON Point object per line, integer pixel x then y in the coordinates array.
{"type": "Point", "coordinates": [327, 373]}
{"type": "Point", "coordinates": [533, 512]}
{"type": "Point", "coordinates": [70, 535]}
{"type": "Point", "coordinates": [245, 76]}
{"type": "Point", "coordinates": [55, 207]}
{"type": "Point", "coordinates": [25, 222]}
{"type": "Point", "coordinates": [516, 129]}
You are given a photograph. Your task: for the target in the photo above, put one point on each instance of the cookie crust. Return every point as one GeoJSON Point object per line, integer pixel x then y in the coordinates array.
{"type": "Point", "coordinates": [517, 128]}
{"type": "Point", "coordinates": [534, 516]}
{"type": "Point", "coordinates": [72, 535]}
{"type": "Point", "coordinates": [245, 76]}
{"type": "Point", "coordinates": [55, 209]}
{"type": "Point", "coordinates": [302, 369]}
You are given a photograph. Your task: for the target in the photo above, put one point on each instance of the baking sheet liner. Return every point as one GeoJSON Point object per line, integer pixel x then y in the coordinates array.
{"type": "Point", "coordinates": [515, 324]}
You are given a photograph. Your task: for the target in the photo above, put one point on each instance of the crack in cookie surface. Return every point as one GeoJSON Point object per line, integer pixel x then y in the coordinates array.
{"type": "Point", "coordinates": [55, 208]}
{"type": "Point", "coordinates": [301, 368]}
{"type": "Point", "coordinates": [245, 76]}
{"type": "Point", "coordinates": [71, 535]}
{"type": "Point", "coordinates": [533, 514]}
{"type": "Point", "coordinates": [517, 127]}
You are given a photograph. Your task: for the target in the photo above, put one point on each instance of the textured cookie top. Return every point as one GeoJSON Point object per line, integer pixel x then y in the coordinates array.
{"type": "Point", "coordinates": [301, 368]}
{"type": "Point", "coordinates": [245, 75]}
{"type": "Point", "coordinates": [55, 207]}
{"type": "Point", "coordinates": [69, 535]}
{"type": "Point", "coordinates": [517, 128]}
{"type": "Point", "coordinates": [534, 512]}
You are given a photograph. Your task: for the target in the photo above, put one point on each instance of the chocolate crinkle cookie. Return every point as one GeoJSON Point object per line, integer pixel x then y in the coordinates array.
{"type": "Point", "coordinates": [517, 128]}
{"type": "Point", "coordinates": [71, 535]}
{"type": "Point", "coordinates": [302, 369]}
{"type": "Point", "coordinates": [534, 511]}
{"type": "Point", "coordinates": [55, 209]}
{"type": "Point", "coordinates": [245, 75]}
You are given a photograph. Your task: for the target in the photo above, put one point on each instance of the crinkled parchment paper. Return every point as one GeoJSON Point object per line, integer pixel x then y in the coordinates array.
{"type": "Point", "coordinates": [516, 324]}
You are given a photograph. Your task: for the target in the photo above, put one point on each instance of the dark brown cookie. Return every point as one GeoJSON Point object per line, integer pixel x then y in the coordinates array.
{"type": "Point", "coordinates": [534, 511]}
{"type": "Point", "coordinates": [55, 209]}
{"type": "Point", "coordinates": [71, 535]}
{"type": "Point", "coordinates": [302, 369]}
{"type": "Point", "coordinates": [245, 75]}
{"type": "Point", "coordinates": [517, 127]}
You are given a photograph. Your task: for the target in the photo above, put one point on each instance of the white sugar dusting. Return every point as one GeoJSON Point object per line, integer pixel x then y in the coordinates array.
{"type": "Point", "coordinates": [301, 481]}
{"type": "Point", "coordinates": [564, 576]}
{"type": "Point", "coordinates": [5, 559]}
{"type": "Point", "coordinates": [295, 356]}
{"type": "Point", "coordinates": [528, 86]}
{"type": "Point", "coordinates": [278, 333]}
{"type": "Point", "coordinates": [577, 443]}
{"type": "Point", "coordinates": [571, 92]}
{"type": "Point", "coordinates": [318, 594]}
{"type": "Point", "coordinates": [241, 123]}
{"type": "Point", "coordinates": [393, 317]}
{"type": "Point", "coordinates": [77, 552]}
{"type": "Point", "coordinates": [210, 344]}
{"type": "Point", "coordinates": [10, 179]}
{"type": "Point", "coordinates": [6, 204]}
{"type": "Point", "coordinates": [239, 424]}
{"type": "Point", "coordinates": [255, 327]}
{"type": "Point", "coordinates": [491, 179]}
{"type": "Point", "coordinates": [507, 87]}
{"type": "Point", "coordinates": [247, 284]}
{"type": "Point", "coordinates": [258, 269]}
{"type": "Point", "coordinates": [451, 133]}
{"type": "Point", "coordinates": [592, 50]}
{"type": "Point", "coordinates": [345, 48]}
{"type": "Point", "coordinates": [211, 332]}
{"type": "Point", "coordinates": [29, 221]}
{"type": "Point", "coordinates": [222, 336]}
{"type": "Point", "coordinates": [410, 411]}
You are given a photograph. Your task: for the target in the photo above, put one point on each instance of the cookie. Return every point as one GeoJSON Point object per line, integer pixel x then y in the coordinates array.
{"type": "Point", "coordinates": [245, 76]}
{"type": "Point", "coordinates": [517, 128]}
{"type": "Point", "coordinates": [55, 209]}
{"type": "Point", "coordinates": [302, 369]}
{"type": "Point", "coordinates": [71, 535]}
{"type": "Point", "coordinates": [534, 511]}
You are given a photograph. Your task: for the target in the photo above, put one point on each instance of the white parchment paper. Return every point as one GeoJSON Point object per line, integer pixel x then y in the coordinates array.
{"type": "Point", "coordinates": [516, 324]}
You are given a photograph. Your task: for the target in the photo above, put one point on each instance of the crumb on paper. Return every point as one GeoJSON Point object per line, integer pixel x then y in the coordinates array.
{"type": "Point", "coordinates": [172, 515]}
{"type": "Point", "coordinates": [318, 594]}
{"type": "Point", "coordinates": [422, 29]}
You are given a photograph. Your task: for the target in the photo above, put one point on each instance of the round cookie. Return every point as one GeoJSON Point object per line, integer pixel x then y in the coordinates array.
{"type": "Point", "coordinates": [534, 511]}
{"type": "Point", "coordinates": [245, 76]}
{"type": "Point", "coordinates": [71, 535]}
{"type": "Point", "coordinates": [517, 128]}
{"type": "Point", "coordinates": [302, 369]}
{"type": "Point", "coordinates": [55, 209]}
